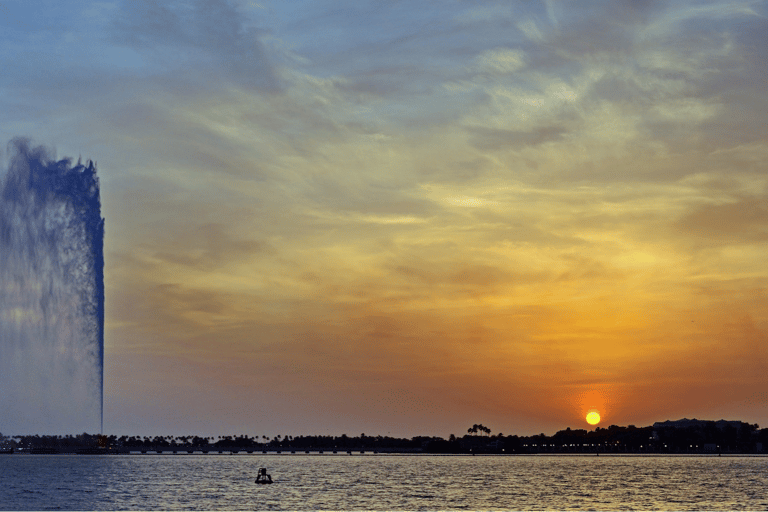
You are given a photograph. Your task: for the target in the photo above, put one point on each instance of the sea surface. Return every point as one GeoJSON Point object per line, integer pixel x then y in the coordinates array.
{"type": "Point", "coordinates": [381, 482]}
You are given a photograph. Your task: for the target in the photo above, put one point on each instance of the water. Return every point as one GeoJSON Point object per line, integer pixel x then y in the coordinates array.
{"type": "Point", "coordinates": [51, 294]}
{"type": "Point", "coordinates": [381, 482]}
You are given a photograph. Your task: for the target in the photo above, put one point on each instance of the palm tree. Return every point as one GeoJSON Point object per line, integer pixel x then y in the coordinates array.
{"type": "Point", "coordinates": [479, 427]}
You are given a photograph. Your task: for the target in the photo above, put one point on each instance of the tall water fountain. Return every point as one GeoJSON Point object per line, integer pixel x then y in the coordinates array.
{"type": "Point", "coordinates": [51, 294]}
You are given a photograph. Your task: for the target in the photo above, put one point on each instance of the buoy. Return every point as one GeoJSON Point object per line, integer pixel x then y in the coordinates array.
{"type": "Point", "coordinates": [263, 477]}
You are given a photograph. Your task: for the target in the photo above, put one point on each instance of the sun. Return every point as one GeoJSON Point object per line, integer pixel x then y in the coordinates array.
{"type": "Point", "coordinates": [593, 417]}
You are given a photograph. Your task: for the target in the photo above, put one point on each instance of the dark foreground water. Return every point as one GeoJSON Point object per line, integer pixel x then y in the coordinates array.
{"type": "Point", "coordinates": [379, 482]}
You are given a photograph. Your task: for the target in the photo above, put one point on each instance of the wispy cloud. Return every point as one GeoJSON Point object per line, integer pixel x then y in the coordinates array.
{"type": "Point", "coordinates": [360, 200]}
{"type": "Point", "coordinates": [211, 40]}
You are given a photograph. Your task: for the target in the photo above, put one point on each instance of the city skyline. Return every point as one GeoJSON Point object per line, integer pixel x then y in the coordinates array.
{"type": "Point", "coordinates": [403, 219]}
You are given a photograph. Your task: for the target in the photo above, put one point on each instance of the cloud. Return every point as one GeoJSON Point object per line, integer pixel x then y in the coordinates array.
{"type": "Point", "coordinates": [490, 139]}
{"type": "Point", "coordinates": [411, 200]}
{"type": "Point", "coordinates": [501, 60]}
{"type": "Point", "coordinates": [743, 221]}
{"type": "Point", "coordinates": [203, 40]}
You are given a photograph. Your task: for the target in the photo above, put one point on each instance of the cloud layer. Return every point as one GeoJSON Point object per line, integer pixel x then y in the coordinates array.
{"type": "Point", "coordinates": [406, 219]}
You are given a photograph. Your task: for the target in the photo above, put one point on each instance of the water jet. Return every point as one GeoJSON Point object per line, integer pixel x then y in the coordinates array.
{"type": "Point", "coordinates": [51, 294]}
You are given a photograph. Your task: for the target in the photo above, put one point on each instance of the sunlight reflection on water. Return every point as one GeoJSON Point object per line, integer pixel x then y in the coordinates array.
{"type": "Point", "coordinates": [380, 482]}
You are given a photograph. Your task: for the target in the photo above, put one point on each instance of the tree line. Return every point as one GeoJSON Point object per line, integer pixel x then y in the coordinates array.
{"type": "Point", "coordinates": [691, 437]}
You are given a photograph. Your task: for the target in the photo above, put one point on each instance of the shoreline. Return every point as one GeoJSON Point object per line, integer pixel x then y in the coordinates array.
{"type": "Point", "coordinates": [389, 454]}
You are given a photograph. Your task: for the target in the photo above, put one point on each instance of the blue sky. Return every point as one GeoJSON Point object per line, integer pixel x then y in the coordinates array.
{"type": "Point", "coordinates": [409, 217]}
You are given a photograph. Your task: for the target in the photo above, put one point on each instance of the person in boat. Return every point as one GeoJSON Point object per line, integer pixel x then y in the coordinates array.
{"type": "Point", "coordinates": [263, 477]}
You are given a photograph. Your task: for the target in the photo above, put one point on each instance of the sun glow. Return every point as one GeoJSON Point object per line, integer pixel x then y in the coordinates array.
{"type": "Point", "coordinates": [593, 417]}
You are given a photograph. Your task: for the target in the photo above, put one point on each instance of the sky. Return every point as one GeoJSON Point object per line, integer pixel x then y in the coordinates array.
{"type": "Point", "coordinates": [405, 218]}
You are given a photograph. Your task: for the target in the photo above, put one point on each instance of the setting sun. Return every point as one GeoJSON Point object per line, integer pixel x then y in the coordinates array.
{"type": "Point", "coordinates": [593, 418]}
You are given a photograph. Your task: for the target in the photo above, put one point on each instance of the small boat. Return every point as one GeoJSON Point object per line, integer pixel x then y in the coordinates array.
{"type": "Point", "coordinates": [263, 477]}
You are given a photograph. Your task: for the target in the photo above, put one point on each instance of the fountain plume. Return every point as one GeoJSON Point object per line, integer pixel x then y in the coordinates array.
{"type": "Point", "coordinates": [51, 294]}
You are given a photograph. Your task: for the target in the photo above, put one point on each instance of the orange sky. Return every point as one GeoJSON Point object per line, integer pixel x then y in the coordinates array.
{"type": "Point", "coordinates": [394, 220]}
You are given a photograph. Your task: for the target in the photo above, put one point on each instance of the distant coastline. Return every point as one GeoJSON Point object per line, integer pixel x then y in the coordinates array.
{"type": "Point", "coordinates": [670, 437]}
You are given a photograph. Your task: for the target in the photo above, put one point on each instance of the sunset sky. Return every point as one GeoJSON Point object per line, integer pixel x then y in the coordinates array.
{"type": "Point", "coordinates": [403, 218]}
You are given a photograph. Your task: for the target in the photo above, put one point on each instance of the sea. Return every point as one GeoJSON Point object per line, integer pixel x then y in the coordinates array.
{"type": "Point", "coordinates": [381, 482]}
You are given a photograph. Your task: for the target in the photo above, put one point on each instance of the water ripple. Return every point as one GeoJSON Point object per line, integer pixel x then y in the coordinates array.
{"type": "Point", "coordinates": [313, 482]}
